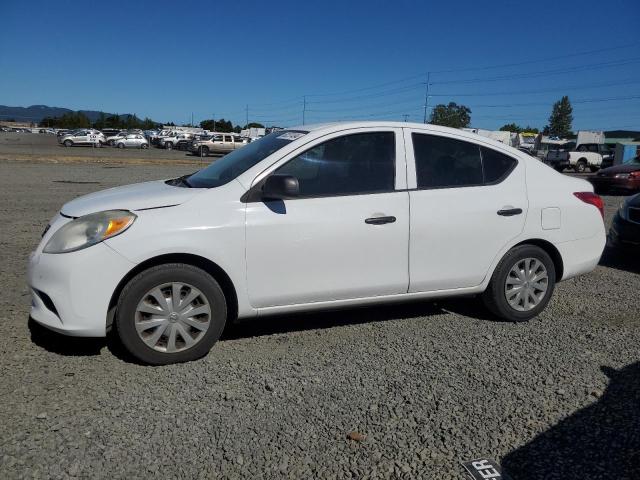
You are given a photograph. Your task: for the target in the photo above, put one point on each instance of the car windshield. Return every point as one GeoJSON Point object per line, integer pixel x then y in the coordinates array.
{"type": "Point", "coordinates": [239, 161]}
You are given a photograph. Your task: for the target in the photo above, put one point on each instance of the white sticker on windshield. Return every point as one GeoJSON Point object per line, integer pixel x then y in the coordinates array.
{"type": "Point", "coordinates": [291, 136]}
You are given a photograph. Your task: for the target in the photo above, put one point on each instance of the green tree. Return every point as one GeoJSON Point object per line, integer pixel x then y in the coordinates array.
{"type": "Point", "coordinates": [515, 128]}
{"type": "Point", "coordinates": [253, 125]}
{"type": "Point", "coordinates": [221, 125]}
{"type": "Point", "coordinates": [451, 115]}
{"type": "Point", "coordinates": [561, 118]}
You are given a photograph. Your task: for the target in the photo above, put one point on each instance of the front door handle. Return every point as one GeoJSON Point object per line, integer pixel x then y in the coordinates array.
{"type": "Point", "coordinates": [379, 220]}
{"type": "Point", "coordinates": [509, 212]}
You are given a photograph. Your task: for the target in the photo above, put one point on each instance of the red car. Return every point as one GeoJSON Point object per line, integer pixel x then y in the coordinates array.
{"type": "Point", "coordinates": [623, 179]}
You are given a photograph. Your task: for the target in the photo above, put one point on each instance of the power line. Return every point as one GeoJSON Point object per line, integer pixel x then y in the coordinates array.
{"type": "Point", "coordinates": [528, 62]}
{"type": "Point", "coordinates": [578, 68]}
{"type": "Point", "coordinates": [527, 92]}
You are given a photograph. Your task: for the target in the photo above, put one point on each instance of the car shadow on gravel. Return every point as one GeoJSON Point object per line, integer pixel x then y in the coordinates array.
{"type": "Point", "coordinates": [256, 327]}
{"type": "Point", "coordinates": [599, 441]}
{"type": "Point", "coordinates": [62, 344]}
{"type": "Point", "coordinates": [621, 259]}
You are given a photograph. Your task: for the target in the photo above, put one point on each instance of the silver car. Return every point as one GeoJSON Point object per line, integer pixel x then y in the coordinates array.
{"type": "Point", "coordinates": [135, 140]}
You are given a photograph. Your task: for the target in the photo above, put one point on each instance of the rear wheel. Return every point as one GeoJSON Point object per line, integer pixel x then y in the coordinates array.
{"type": "Point", "coordinates": [171, 313]}
{"type": "Point", "coordinates": [581, 166]}
{"type": "Point", "coordinates": [521, 285]}
{"type": "Point", "coordinates": [593, 169]}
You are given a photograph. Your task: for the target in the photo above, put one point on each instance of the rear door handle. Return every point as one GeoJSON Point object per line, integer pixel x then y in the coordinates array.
{"type": "Point", "coordinates": [379, 220]}
{"type": "Point", "coordinates": [510, 212]}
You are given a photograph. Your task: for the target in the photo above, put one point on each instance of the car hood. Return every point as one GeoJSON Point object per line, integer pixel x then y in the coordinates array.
{"type": "Point", "coordinates": [138, 196]}
{"type": "Point", "coordinates": [624, 168]}
{"type": "Point", "coordinates": [634, 201]}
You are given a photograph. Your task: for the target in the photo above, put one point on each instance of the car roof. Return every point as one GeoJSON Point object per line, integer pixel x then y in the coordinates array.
{"type": "Point", "coordinates": [322, 128]}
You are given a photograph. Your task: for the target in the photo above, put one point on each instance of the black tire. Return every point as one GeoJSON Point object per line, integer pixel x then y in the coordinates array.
{"type": "Point", "coordinates": [121, 145]}
{"type": "Point", "coordinates": [139, 285]}
{"type": "Point", "coordinates": [581, 166]}
{"type": "Point", "coordinates": [593, 169]}
{"type": "Point", "coordinates": [168, 146]}
{"type": "Point", "coordinates": [204, 151]}
{"type": "Point", "coordinates": [68, 143]}
{"type": "Point", "coordinates": [111, 143]}
{"type": "Point", "coordinates": [494, 297]}
{"type": "Point", "coordinates": [559, 169]}
{"type": "Point", "coordinates": [144, 146]}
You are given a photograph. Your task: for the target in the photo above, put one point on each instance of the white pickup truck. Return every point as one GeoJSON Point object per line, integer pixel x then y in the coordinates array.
{"type": "Point", "coordinates": [587, 156]}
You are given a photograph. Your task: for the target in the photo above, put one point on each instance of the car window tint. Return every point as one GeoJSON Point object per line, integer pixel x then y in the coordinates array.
{"type": "Point", "coordinates": [496, 165]}
{"type": "Point", "coordinates": [445, 162]}
{"type": "Point", "coordinates": [352, 164]}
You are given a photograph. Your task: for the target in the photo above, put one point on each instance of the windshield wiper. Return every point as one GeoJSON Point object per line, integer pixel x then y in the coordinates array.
{"type": "Point", "coordinates": [180, 181]}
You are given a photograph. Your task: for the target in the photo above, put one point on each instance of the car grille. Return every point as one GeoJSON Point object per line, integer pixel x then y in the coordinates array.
{"type": "Point", "coordinates": [634, 215]}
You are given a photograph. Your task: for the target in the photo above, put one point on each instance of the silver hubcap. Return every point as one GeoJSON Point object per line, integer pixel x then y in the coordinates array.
{"type": "Point", "coordinates": [526, 284]}
{"type": "Point", "coordinates": [172, 317]}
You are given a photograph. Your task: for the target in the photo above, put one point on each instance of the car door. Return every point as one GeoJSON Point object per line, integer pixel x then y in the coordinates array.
{"type": "Point", "coordinates": [227, 144]}
{"type": "Point", "coordinates": [468, 201]}
{"type": "Point", "coordinates": [345, 235]}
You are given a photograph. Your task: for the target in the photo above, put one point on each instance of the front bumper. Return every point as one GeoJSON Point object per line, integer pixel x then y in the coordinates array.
{"type": "Point", "coordinates": [558, 164]}
{"type": "Point", "coordinates": [624, 233]}
{"type": "Point", "coordinates": [71, 292]}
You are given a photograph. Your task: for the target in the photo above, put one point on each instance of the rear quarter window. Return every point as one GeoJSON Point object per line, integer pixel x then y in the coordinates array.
{"type": "Point", "coordinates": [496, 165]}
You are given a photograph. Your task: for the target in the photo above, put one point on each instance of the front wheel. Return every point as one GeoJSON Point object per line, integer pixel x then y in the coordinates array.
{"type": "Point", "coordinates": [144, 146]}
{"type": "Point", "coordinates": [171, 313]}
{"type": "Point", "coordinates": [168, 146]}
{"type": "Point", "coordinates": [204, 151]}
{"type": "Point", "coordinates": [581, 166]}
{"type": "Point", "coordinates": [121, 145]}
{"type": "Point", "coordinates": [521, 285]}
{"type": "Point", "coordinates": [68, 143]}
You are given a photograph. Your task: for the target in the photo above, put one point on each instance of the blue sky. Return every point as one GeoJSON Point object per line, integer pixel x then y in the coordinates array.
{"type": "Point", "coordinates": [508, 61]}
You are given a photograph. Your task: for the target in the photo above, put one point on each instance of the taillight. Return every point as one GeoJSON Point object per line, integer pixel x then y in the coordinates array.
{"type": "Point", "coordinates": [592, 199]}
{"type": "Point", "coordinates": [635, 174]}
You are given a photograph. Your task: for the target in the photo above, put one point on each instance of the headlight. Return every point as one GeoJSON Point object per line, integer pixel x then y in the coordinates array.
{"type": "Point", "coordinates": [622, 210]}
{"type": "Point", "coordinates": [89, 230]}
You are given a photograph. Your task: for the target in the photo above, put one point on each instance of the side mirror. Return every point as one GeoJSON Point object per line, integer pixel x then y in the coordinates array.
{"type": "Point", "coordinates": [280, 187]}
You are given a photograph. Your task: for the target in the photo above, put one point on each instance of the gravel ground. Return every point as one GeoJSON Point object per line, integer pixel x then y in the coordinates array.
{"type": "Point", "coordinates": [427, 385]}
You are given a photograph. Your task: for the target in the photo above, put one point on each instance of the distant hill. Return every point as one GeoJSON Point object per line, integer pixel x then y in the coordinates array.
{"type": "Point", "coordinates": [35, 113]}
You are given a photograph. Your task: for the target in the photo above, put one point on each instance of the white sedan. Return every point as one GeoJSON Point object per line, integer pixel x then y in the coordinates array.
{"type": "Point", "coordinates": [310, 218]}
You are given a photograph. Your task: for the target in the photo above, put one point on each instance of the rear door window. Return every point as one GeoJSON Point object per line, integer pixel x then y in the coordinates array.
{"type": "Point", "coordinates": [443, 162]}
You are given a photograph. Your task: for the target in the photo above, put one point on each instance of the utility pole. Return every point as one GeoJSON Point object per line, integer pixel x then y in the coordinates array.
{"type": "Point", "coordinates": [247, 115]}
{"type": "Point", "coordinates": [214, 122]}
{"type": "Point", "coordinates": [192, 119]}
{"type": "Point", "coordinates": [304, 108]}
{"type": "Point", "coordinates": [426, 98]}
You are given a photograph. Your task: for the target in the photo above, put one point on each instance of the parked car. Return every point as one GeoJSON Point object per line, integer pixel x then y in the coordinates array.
{"type": "Point", "coordinates": [176, 140]}
{"type": "Point", "coordinates": [218, 144]}
{"type": "Point", "coordinates": [111, 140]}
{"type": "Point", "coordinates": [83, 137]}
{"type": "Point", "coordinates": [313, 218]}
{"type": "Point", "coordinates": [625, 227]}
{"type": "Point", "coordinates": [135, 140]}
{"type": "Point", "coordinates": [588, 156]}
{"type": "Point", "coordinates": [623, 179]}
